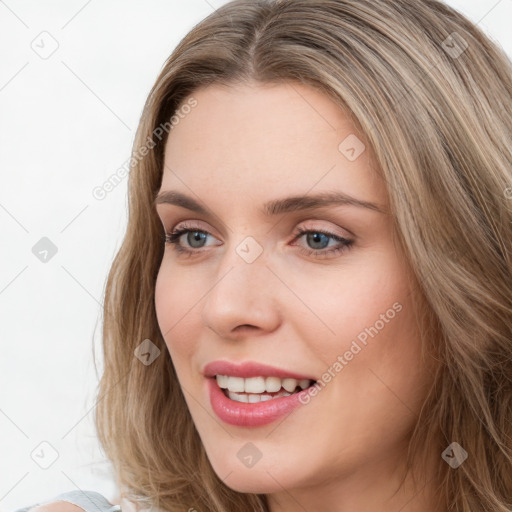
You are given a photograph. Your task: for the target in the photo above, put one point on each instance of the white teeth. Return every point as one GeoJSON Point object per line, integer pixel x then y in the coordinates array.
{"type": "Point", "coordinates": [252, 399]}
{"type": "Point", "coordinates": [258, 385]}
{"type": "Point", "coordinates": [236, 384]}
{"type": "Point", "coordinates": [272, 384]}
{"type": "Point", "coordinates": [290, 384]}
{"type": "Point", "coordinates": [304, 383]}
{"type": "Point", "coordinates": [237, 397]}
{"type": "Point", "coordinates": [222, 380]}
{"type": "Point", "coordinates": [255, 385]}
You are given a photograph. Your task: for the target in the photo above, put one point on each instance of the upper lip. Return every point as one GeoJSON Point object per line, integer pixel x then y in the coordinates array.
{"type": "Point", "coordinates": [249, 369]}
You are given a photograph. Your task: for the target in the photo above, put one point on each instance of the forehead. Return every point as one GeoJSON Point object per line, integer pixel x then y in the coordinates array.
{"type": "Point", "coordinates": [255, 137]}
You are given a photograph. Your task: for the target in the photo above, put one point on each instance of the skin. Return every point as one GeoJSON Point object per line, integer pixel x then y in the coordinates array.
{"type": "Point", "coordinates": [240, 147]}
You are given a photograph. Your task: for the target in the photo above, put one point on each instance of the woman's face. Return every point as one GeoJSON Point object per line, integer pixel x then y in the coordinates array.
{"type": "Point", "coordinates": [259, 303]}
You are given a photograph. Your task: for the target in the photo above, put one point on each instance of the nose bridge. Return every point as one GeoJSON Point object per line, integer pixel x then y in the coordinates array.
{"type": "Point", "coordinates": [242, 291]}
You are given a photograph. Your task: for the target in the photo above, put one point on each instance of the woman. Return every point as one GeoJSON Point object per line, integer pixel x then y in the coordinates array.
{"type": "Point", "coordinates": [311, 307]}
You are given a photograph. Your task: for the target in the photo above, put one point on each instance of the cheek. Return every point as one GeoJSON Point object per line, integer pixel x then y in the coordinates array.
{"type": "Point", "coordinates": [176, 306]}
{"type": "Point", "coordinates": [374, 339]}
{"type": "Point", "coordinates": [364, 300]}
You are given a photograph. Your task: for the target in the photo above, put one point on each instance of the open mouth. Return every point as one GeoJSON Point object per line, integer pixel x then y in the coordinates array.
{"type": "Point", "coordinates": [259, 389]}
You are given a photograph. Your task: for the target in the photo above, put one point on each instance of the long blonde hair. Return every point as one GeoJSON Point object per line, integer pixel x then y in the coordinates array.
{"type": "Point", "coordinates": [433, 96]}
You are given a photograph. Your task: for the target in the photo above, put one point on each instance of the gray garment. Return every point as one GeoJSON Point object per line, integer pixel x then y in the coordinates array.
{"type": "Point", "coordinates": [90, 501]}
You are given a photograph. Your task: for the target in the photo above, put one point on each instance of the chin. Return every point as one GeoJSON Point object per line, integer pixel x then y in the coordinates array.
{"type": "Point", "coordinates": [254, 483]}
{"type": "Point", "coordinates": [264, 477]}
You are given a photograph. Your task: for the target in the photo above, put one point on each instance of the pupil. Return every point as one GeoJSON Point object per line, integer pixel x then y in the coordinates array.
{"type": "Point", "coordinates": [314, 238]}
{"type": "Point", "coordinates": [195, 236]}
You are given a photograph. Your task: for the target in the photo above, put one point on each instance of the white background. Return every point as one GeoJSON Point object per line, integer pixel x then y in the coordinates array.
{"type": "Point", "coordinates": [67, 123]}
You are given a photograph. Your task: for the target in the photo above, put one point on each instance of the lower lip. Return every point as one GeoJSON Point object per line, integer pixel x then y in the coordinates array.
{"type": "Point", "coordinates": [244, 414]}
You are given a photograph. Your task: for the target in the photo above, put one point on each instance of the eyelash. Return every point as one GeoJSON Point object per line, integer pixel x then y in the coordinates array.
{"type": "Point", "coordinates": [173, 238]}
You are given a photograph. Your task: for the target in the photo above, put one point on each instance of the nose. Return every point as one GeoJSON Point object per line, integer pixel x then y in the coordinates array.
{"type": "Point", "coordinates": [242, 299]}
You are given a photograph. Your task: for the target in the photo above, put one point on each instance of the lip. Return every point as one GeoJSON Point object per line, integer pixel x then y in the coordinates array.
{"type": "Point", "coordinates": [243, 414]}
{"type": "Point", "coordinates": [249, 369]}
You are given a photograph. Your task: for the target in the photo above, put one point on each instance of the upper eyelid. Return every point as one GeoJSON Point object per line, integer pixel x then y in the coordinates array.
{"type": "Point", "coordinates": [322, 218]}
{"type": "Point", "coordinates": [297, 231]}
{"type": "Point", "coordinates": [184, 225]}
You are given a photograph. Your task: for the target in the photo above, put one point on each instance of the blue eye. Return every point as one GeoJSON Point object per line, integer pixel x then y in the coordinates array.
{"type": "Point", "coordinates": [317, 237]}
{"type": "Point", "coordinates": [194, 236]}
{"type": "Point", "coordinates": [317, 240]}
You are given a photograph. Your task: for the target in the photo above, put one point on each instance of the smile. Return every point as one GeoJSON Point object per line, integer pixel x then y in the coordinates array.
{"type": "Point", "coordinates": [252, 394]}
{"type": "Point", "coordinates": [259, 389]}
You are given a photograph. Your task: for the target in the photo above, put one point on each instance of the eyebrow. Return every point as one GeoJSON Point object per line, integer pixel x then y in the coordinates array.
{"type": "Point", "coordinates": [276, 206]}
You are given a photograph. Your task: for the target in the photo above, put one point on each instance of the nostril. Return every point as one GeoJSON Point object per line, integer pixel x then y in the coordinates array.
{"type": "Point", "coordinates": [246, 326]}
